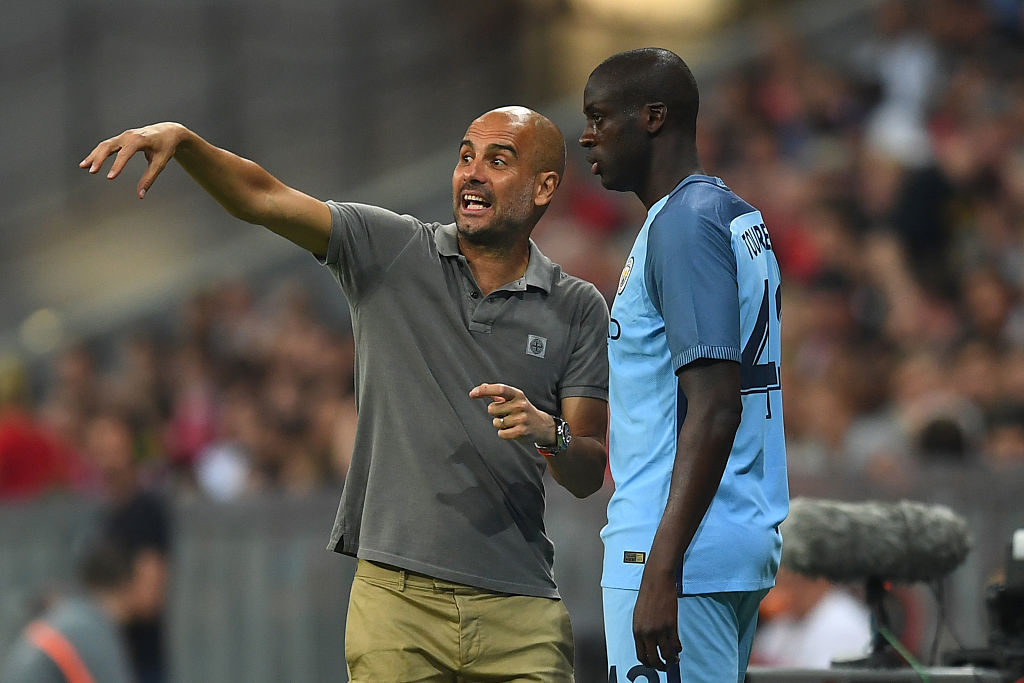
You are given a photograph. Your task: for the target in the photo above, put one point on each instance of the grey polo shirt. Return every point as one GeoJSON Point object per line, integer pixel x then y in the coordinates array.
{"type": "Point", "coordinates": [431, 487]}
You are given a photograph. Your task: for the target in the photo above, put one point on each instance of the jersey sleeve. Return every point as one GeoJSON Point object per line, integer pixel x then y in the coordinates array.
{"type": "Point", "coordinates": [365, 241]}
{"type": "Point", "coordinates": [587, 372]}
{"type": "Point", "coordinates": [690, 276]}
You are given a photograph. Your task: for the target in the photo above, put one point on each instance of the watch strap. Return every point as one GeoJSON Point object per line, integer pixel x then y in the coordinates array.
{"type": "Point", "coordinates": [563, 437]}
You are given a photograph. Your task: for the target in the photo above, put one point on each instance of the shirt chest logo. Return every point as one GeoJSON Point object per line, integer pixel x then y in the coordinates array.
{"type": "Point", "coordinates": [536, 346]}
{"type": "Point", "coordinates": [624, 278]}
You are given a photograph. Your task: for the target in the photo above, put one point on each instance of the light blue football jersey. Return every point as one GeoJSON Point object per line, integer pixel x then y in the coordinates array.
{"type": "Point", "coordinates": [701, 282]}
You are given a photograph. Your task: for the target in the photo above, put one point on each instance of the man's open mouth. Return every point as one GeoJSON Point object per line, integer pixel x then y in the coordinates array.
{"type": "Point", "coordinates": [474, 202]}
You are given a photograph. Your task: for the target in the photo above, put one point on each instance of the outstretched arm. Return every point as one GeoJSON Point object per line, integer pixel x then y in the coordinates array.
{"type": "Point", "coordinates": [712, 390]}
{"type": "Point", "coordinates": [242, 187]}
{"type": "Point", "coordinates": [580, 469]}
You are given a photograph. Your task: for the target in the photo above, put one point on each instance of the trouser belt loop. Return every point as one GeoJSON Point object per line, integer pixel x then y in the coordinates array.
{"type": "Point", "coordinates": [401, 579]}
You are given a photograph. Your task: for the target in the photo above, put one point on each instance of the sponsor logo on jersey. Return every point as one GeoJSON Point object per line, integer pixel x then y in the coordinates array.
{"type": "Point", "coordinates": [633, 557]}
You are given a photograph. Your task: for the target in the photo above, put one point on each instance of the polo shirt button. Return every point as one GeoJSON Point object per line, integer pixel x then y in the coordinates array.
{"type": "Point", "coordinates": [474, 295]}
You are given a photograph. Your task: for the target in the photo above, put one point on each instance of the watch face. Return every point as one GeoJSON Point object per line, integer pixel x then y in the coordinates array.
{"type": "Point", "coordinates": [564, 435]}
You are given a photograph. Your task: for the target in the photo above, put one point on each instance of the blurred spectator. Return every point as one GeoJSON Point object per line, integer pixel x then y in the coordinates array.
{"type": "Point", "coordinates": [808, 622]}
{"type": "Point", "coordinates": [77, 639]}
{"type": "Point", "coordinates": [942, 439]}
{"type": "Point", "coordinates": [225, 467]}
{"type": "Point", "coordinates": [139, 385]}
{"type": "Point", "coordinates": [1004, 443]}
{"type": "Point", "coordinates": [988, 303]}
{"type": "Point", "coordinates": [333, 432]}
{"type": "Point", "coordinates": [137, 519]}
{"type": "Point", "coordinates": [32, 459]}
{"type": "Point", "coordinates": [192, 424]}
{"type": "Point", "coordinates": [902, 62]}
{"type": "Point", "coordinates": [73, 394]}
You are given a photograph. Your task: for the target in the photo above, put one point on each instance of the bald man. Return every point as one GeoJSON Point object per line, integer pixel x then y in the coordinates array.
{"type": "Point", "coordinates": [481, 365]}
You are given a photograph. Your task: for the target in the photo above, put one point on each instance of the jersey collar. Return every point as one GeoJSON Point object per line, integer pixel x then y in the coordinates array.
{"type": "Point", "coordinates": [697, 178]}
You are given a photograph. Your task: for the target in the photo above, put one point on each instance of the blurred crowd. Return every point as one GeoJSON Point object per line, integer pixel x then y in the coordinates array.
{"type": "Point", "coordinates": [892, 180]}
{"type": "Point", "coordinates": [894, 187]}
{"type": "Point", "coordinates": [245, 396]}
{"type": "Point", "coordinates": [891, 177]}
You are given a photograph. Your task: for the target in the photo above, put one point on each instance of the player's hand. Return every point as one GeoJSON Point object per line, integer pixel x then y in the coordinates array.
{"type": "Point", "coordinates": [655, 630]}
{"type": "Point", "coordinates": [157, 142]}
{"type": "Point", "coordinates": [514, 416]}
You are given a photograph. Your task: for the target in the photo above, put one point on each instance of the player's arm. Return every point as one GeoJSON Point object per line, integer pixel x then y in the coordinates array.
{"type": "Point", "coordinates": [580, 469]}
{"type": "Point", "coordinates": [242, 187]}
{"type": "Point", "coordinates": [712, 390]}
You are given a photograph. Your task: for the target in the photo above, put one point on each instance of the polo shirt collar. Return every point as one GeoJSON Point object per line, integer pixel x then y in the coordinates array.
{"type": "Point", "coordinates": [447, 240]}
{"type": "Point", "coordinates": [540, 271]}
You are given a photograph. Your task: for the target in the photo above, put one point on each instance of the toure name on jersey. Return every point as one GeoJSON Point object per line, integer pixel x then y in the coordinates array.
{"type": "Point", "coordinates": [757, 240]}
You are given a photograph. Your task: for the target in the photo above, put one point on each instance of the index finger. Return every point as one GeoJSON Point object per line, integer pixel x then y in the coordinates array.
{"type": "Point", "coordinates": [502, 391]}
{"type": "Point", "coordinates": [99, 154]}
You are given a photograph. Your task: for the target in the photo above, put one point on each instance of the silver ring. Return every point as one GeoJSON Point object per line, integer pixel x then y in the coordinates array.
{"type": "Point", "coordinates": [502, 420]}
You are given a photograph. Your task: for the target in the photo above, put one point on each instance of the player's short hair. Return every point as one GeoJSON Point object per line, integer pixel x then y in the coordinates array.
{"type": "Point", "coordinates": [653, 74]}
{"type": "Point", "coordinates": [103, 562]}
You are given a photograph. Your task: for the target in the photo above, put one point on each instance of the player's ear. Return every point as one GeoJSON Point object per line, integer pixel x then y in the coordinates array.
{"type": "Point", "coordinates": [653, 116]}
{"type": "Point", "coordinates": [544, 188]}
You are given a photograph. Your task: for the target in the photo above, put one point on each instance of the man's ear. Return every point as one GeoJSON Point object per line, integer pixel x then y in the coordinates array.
{"type": "Point", "coordinates": [544, 188]}
{"type": "Point", "coordinates": [654, 116]}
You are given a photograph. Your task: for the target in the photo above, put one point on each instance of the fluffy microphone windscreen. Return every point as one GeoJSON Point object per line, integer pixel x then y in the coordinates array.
{"type": "Point", "coordinates": [904, 542]}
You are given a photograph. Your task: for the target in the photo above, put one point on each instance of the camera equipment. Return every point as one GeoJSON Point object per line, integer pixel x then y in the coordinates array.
{"type": "Point", "coordinates": [876, 543]}
{"type": "Point", "coordinates": [1004, 603]}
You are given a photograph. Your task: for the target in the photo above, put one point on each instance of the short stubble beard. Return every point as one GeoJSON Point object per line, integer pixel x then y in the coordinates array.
{"type": "Point", "coordinates": [502, 231]}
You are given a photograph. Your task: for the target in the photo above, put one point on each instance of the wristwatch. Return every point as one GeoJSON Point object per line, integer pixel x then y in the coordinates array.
{"type": "Point", "coordinates": [563, 437]}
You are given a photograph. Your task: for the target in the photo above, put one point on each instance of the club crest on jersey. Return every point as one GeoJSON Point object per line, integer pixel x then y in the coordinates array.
{"type": "Point", "coordinates": [536, 346]}
{"type": "Point", "coordinates": [624, 278]}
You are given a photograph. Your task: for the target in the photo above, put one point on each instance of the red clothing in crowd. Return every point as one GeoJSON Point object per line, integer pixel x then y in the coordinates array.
{"type": "Point", "coordinates": [31, 460]}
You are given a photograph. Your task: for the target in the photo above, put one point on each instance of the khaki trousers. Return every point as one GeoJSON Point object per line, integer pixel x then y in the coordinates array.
{"type": "Point", "coordinates": [405, 627]}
